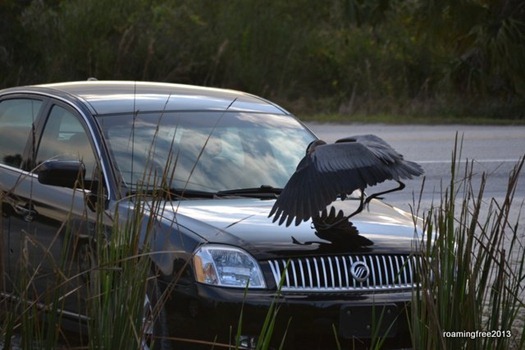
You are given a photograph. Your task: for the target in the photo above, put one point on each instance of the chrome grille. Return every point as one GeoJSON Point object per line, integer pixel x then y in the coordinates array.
{"type": "Point", "coordinates": [333, 273]}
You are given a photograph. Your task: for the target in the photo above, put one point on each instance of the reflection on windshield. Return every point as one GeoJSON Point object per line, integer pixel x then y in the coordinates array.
{"type": "Point", "coordinates": [205, 151]}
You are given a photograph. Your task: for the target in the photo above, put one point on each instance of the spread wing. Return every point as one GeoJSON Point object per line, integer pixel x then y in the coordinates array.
{"type": "Point", "coordinates": [333, 169]}
{"type": "Point", "coordinates": [397, 166]}
{"type": "Point", "coordinates": [330, 170]}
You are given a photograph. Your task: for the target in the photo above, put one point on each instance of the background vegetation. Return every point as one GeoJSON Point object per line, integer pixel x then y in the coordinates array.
{"type": "Point", "coordinates": [348, 57]}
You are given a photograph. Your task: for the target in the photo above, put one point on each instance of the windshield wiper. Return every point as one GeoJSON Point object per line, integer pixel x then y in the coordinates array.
{"type": "Point", "coordinates": [189, 193]}
{"type": "Point", "coordinates": [263, 191]}
{"type": "Point", "coordinates": [173, 193]}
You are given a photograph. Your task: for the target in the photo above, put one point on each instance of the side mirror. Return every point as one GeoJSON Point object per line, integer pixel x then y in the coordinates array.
{"type": "Point", "coordinates": [63, 173]}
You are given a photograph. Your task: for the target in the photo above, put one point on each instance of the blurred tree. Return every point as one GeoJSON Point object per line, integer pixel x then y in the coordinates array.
{"type": "Point", "coordinates": [347, 55]}
{"type": "Point", "coordinates": [483, 41]}
{"type": "Point", "coordinates": [12, 41]}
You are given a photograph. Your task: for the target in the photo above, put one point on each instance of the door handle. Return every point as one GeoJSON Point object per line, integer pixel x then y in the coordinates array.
{"type": "Point", "coordinates": [28, 214]}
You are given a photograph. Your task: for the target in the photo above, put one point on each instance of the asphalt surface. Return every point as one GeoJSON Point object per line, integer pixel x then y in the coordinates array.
{"type": "Point", "coordinates": [490, 150]}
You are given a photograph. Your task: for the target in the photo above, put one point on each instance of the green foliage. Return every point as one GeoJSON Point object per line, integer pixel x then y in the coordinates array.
{"type": "Point", "coordinates": [117, 286]}
{"type": "Point", "coordinates": [346, 56]}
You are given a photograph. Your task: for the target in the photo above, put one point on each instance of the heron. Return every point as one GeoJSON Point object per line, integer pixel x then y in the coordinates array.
{"type": "Point", "coordinates": [330, 171]}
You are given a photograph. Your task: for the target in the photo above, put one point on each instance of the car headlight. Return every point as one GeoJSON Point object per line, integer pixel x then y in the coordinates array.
{"type": "Point", "coordinates": [227, 267]}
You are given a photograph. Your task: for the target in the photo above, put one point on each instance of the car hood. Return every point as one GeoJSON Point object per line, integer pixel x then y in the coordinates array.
{"type": "Point", "coordinates": [244, 222]}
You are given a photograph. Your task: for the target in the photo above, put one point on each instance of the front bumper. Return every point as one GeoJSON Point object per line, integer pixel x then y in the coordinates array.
{"type": "Point", "coordinates": [304, 321]}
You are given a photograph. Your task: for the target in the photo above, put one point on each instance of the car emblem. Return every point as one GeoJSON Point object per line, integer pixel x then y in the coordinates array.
{"type": "Point", "coordinates": [359, 271]}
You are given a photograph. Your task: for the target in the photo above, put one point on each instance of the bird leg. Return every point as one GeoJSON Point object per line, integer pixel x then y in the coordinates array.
{"type": "Point", "coordinates": [363, 202]}
{"type": "Point", "coordinates": [345, 218]}
{"type": "Point", "coordinates": [361, 206]}
{"type": "Point", "coordinates": [376, 195]}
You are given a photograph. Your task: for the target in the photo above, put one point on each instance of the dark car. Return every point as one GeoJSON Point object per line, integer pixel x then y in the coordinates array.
{"type": "Point", "coordinates": [195, 172]}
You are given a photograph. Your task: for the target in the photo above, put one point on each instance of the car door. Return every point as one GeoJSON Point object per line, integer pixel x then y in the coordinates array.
{"type": "Point", "coordinates": [59, 218]}
{"type": "Point", "coordinates": [18, 115]}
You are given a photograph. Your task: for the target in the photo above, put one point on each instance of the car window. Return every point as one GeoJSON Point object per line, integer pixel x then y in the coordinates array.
{"type": "Point", "coordinates": [64, 138]}
{"type": "Point", "coordinates": [16, 122]}
{"type": "Point", "coordinates": [206, 151]}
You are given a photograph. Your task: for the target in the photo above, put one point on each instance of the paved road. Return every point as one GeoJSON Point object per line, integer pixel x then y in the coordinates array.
{"type": "Point", "coordinates": [493, 150]}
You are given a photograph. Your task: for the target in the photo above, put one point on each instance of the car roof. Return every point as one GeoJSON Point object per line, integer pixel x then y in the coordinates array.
{"type": "Point", "coordinates": [108, 97]}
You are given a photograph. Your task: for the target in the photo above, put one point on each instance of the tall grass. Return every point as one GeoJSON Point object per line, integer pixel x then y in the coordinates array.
{"type": "Point", "coordinates": [115, 275]}
{"type": "Point", "coordinates": [118, 305]}
{"type": "Point", "coordinates": [472, 290]}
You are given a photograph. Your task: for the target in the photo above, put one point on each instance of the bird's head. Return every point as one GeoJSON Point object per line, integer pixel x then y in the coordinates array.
{"type": "Point", "coordinates": [311, 147]}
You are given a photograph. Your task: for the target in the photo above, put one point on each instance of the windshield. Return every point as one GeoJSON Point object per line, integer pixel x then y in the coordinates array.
{"type": "Point", "coordinates": [205, 151]}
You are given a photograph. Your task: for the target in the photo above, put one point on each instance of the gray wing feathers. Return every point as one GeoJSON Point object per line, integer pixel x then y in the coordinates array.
{"type": "Point", "coordinates": [333, 169]}
{"type": "Point", "coordinates": [398, 167]}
